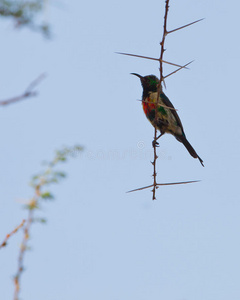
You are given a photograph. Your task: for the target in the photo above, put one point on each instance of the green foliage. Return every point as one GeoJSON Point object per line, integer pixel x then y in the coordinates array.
{"type": "Point", "coordinates": [49, 175]}
{"type": "Point", "coordinates": [47, 196]}
{"type": "Point", "coordinates": [40, 220]}
{"type": "Point", "coordinates": [25, 13]}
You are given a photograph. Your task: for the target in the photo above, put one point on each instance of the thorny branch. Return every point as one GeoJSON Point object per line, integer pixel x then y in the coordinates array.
{"type": "Point", "coordinates": [29, 92]}
{"type": "Point", "coordinates": [155, 157]}
{"type": "Point", "coordinates": [161, 81]}
{"type": "Point", "coordinates": [4, 243]}
{"type": "Point", "coordinates": [155, 185]}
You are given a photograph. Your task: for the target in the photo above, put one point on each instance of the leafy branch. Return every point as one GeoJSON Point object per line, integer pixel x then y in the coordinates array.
{"type": "Point", "coordinates": [24, 13]}
{"type": "Point", "coordinates": [40, 184]}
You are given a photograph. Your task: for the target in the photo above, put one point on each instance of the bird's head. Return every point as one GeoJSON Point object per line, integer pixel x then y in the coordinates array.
{"type": "Point", "coordinates": [149, 83]}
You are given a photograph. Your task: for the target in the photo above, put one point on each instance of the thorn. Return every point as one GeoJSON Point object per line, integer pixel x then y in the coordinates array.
{"type": "Point", "coordinates": [164, 83]}
{"type": "Point", "coordinates": [171, 31]}
{"type": "Point", "coordinates": [176, 183]}
{"type": "Point", "coordinates": [177, 70]}
{"type": "Point", "coordinates": [142, 188]}
{"type": "Point", "coordinates": [135, 55]}
{"type": "Point", "coordinates": [172, 64]}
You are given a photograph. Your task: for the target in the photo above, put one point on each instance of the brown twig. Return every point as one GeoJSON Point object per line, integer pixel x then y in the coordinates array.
{"type": "Point", "coordinates": [154, 163]}
{"type": "Point", "coordinates": [32, 205]}
{"type": "Point", "coordinates": [22, 252]}
{"type": "Point", "coordinates": [162, 44]}
{"type": "Point", "coordinates": [28, 92]}
{"type": "Point", "coordinates": [4, 243]}
{"type": "Point", "coordinates": [159, 91]}
{"type": "Point", "coordinates": [160, 105]}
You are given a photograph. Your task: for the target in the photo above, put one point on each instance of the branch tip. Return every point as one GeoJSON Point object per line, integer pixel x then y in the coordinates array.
{"type": "Point", "coordinates": [28, 92]}
{"type": "Point", "coordinates": [184, 26]}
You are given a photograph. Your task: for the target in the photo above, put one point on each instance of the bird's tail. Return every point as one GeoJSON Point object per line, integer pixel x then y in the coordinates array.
{"type": "Point", "coordinates": [189, 147]}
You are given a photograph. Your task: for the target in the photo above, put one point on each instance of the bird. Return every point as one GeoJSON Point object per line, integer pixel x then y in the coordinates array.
{"type": "Point", "coordinates": [167, 119]}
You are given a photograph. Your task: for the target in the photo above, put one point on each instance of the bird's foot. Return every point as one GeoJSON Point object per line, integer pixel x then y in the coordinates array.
{"type": "Point", "coordinates": [155, 143]}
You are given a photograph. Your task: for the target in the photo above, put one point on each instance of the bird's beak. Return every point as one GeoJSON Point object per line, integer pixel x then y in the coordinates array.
{"type": "Point", "coordinates": [137, 75]}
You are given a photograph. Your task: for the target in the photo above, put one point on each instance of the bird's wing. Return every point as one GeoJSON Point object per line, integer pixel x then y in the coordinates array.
{"type": "Point", "coordinates": [168, 103]}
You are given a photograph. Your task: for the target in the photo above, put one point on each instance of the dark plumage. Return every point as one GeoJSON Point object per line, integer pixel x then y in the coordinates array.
{"type": "Point", "coordinates": [167, 120]}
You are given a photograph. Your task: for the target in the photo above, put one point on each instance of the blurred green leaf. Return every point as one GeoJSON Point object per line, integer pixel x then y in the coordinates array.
{"type": "Point", "coordinates": [40, 220]}
{"type": "Point", "coordinates": [59, 174]}
{"type": "Point", "coordinates": [47, 196]}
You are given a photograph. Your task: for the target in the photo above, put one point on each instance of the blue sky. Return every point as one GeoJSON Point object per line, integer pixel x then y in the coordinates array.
{"type": "Point", "coordinates": [100, 242]}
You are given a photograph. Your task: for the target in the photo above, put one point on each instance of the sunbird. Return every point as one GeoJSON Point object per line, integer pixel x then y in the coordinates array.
{"type": "Point", "coordinates": [167, 119]}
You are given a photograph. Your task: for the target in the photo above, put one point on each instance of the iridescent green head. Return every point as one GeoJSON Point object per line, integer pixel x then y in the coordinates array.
{"type": "Point", "coordinates": [149, 83]}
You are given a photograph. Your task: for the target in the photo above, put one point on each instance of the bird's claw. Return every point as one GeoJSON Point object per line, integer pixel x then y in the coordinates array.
{"type": "Point", "coordinates": [155, 144]}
